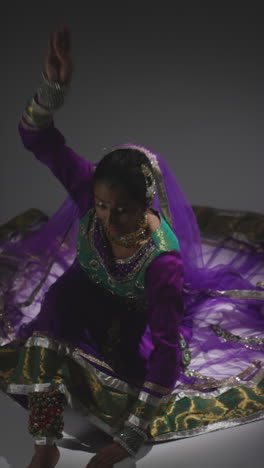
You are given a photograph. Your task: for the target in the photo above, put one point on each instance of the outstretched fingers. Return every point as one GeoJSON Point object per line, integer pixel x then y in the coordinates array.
{"type": "Point", "coordinates": [62, 42]}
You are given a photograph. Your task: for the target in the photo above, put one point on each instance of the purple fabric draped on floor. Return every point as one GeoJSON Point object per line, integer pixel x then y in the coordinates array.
{"type": "Point", "coordinates": [32, 265]}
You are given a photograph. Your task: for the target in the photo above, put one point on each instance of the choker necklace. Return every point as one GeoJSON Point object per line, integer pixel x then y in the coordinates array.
{"type": "Point", "coordinates": [132, 239]}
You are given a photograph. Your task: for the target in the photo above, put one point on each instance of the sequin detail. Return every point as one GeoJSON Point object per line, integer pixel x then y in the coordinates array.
{"type": "Point", "coordinates": [249, 342]}
{"type": "Point", "coordinates": [186, 353]}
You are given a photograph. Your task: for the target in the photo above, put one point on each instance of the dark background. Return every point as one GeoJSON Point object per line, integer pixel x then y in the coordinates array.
{"type": "Point", "coordinates": [186, 82]}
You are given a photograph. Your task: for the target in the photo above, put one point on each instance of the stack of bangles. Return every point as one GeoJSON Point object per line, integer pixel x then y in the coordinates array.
{"type": "Point", "coordinates": [52, 93]}
{"type": "Point", "coordinates": [46, 416]}
{"type": "Point", "coordinates": [131, 438]}
{"type": "Point", "coordinates": [49, 98]}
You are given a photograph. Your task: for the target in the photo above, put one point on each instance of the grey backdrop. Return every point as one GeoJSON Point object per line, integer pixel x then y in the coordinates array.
{"type": "Point", "coordinates": [186, 82]}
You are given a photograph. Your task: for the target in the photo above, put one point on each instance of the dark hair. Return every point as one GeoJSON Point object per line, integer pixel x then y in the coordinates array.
{"type": "Point", "coordinates": [121, 168]}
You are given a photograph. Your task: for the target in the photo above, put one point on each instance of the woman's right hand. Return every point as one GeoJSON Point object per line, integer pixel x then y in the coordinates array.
{"type": "Point", "coordinates": [58, 62]}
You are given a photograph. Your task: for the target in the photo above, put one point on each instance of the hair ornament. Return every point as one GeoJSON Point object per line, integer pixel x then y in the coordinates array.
{"type": "Point", "coordinates": [150, 183]}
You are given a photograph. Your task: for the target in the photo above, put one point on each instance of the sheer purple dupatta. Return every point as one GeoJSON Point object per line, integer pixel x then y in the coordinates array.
{"type": "Point", "coordinates": [31, 265]}
{"type": "Point", "coordinates": [224, 307]}
{"type": "Point", "coordinates": [205, 268]}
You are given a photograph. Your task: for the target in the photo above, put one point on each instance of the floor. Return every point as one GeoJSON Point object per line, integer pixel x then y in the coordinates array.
{"type": "Point", "coordinates": [237, 447]}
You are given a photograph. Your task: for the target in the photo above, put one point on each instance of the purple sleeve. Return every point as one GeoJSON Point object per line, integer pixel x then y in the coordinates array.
{"type": "Point", "coordinates": [74, 172]}
{"type": "Point", "coordinates": [164, 282]}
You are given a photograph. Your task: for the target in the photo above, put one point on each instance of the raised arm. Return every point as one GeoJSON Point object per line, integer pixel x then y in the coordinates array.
{"type": "Point", "coordinates": [37, 129]}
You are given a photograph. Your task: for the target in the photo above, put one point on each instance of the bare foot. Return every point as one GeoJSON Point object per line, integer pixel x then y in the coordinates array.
{"type": "Point", "coordinates": [46, 456]}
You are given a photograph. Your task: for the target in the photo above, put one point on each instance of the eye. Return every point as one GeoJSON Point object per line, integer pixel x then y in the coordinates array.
{"type": "Point", "coordinates": [100, 205]}
{"type": "Point", "coordinates": [119, 210]}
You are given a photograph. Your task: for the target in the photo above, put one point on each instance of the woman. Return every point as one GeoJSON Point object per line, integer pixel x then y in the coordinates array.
{"type": "Point", "coordinates": [115, 308]}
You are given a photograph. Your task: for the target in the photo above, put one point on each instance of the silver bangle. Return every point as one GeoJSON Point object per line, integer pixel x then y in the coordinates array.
{"type": "Point", "coordinates": [45, 440]}
{"type": "Point", "coordinates": [52, 93]}
{"type": "Point", "coordinates": [131, 438]}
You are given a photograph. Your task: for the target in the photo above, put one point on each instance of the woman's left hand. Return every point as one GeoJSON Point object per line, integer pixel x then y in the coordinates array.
{"type": "Point", "coordinates": [107, 456]}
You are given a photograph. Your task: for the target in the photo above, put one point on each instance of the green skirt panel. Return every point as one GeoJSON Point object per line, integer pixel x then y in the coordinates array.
{"type": "Point", "coordinates": [107, 400]}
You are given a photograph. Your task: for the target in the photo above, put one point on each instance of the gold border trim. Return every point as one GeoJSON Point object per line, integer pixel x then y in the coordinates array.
{"type": "Point", "coordinates": [238, 293]}
{"type": "Point", "coordinates": [251, 342]}
{"type": "Point", "coordinates": [140, 422]}
{"type": "Point", "coordinates": [150, 399]}
{"type": "Point", "coordinates": [210, 428]}
{"type": "Point", "coordinates": [78, 356]}
{"type": "Point", "coordinates": [116, 383]}
{"type": "Point", "coordinates": [157, 388]}
{"type": "Point", "coordinates": [78, 406]}
{"type": "Point", "coordinates": [224, 384]}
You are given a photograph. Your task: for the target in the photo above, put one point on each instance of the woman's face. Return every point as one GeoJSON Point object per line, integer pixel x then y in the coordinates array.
{"type": "Point", "coordinates": [119, 214]}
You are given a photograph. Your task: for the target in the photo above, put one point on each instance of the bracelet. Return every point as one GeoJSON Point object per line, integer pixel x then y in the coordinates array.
{"type": "Point", "coordinates": [46, 416]}
{"type": "Point", "coordinates": [36, 115]}
{"type": "Point", "coordinates": [52, 93]}
{"type": "Point", "coordinates": [131, 438]}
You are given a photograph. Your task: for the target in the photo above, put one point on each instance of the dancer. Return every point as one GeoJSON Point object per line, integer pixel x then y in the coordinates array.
{"type": "Point", "coordinates": [115, 308]}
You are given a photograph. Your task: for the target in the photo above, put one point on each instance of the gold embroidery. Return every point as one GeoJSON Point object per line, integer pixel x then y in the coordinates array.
{"type": "Point", "coordinates": [161, 239]}
{"type": "Point", "coordinates": [144, 410]}
{"type": "Point", "coordinates": [193, 416]}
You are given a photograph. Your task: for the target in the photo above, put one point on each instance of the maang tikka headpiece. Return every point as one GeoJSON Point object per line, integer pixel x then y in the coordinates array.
{"type": "Point", "coordinates": [150, 183]}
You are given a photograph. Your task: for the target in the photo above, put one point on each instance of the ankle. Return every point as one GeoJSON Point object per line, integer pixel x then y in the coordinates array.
{"type": "Point", "coordinates": [41, 448]}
